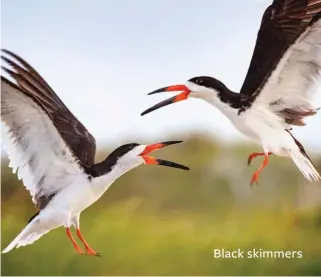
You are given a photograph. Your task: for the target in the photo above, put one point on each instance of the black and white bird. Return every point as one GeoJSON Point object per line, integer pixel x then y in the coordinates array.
{"type": "Point", "coordinates": [282, 78]}
{"type": "Point", "coordinates": [54, 154]}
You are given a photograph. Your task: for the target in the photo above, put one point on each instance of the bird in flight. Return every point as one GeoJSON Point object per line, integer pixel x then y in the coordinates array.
{"type": "Point", "coordinates": [54, 154]}
{"type": "Point", "coordinates": [282, 78]}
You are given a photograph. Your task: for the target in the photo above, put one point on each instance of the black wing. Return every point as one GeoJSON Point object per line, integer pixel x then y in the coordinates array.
{"type": "Point", "coordinates": [28, 81]}
{"type": "Point", "coordinates": [281, 25]}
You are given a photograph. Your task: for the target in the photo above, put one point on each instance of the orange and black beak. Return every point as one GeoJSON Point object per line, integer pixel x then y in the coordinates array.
{"type": "Point", "coordinates": [182, 96]}
{"type": "Point", "coordinates": [152, 160]}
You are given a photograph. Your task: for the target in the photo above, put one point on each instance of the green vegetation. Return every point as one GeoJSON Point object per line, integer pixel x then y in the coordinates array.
{"type": "Point", "coordinates": [161, 221]}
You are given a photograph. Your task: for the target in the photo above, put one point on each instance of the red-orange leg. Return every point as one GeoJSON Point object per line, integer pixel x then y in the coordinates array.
{"type": "Point", "coordinates": [255, 177]}
{"type": "Point", "coordinates": [74, 243]}
{"type": "Point", "coordinates": [89, 250]}
{"type": "Point", "coordinates": [254, 155]}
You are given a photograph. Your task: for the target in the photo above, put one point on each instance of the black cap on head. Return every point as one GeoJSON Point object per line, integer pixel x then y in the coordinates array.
{"type": "Point", "coordinates": [121, 151]}
{"type": "Point", "coordinates": [108, 164]}
{"type": "Point", "coordinates": [208, 82]}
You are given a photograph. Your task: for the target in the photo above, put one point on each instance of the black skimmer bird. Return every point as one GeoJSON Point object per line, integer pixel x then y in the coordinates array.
{"type": "Point", "coordinates": [280, 82]}
{"type": "Point", "coordinates": [54, 154]}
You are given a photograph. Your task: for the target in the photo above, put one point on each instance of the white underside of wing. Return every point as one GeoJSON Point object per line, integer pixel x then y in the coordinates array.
{"type": "Point", "coordinates": [294, 81]}
{"type": "Point", "coordinates": [35, 148]}
{"type": "Point", "coordinates": [291, 87]}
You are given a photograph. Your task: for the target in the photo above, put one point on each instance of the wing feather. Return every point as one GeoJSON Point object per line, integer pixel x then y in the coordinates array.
{"type": "Point", "coordinates": [290, 89]}
{"type": "Point", "coordinates": [282, 24]}
{"type": "Point", "coordinates": [29, 81]}
{"type": "Point", "coordinates": [35, 148]}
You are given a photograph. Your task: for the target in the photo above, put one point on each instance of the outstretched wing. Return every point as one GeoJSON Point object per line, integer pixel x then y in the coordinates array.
{"type": "Point", "coordinates": [285, 23]}
{"type": "Point", "coordinates": [34, 146]}
{"type": "Point", "coordinates": [81, 143]}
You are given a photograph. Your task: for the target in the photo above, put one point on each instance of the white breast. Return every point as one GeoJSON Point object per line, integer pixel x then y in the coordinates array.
{"type": "Point", "coordinates": [76, 197]}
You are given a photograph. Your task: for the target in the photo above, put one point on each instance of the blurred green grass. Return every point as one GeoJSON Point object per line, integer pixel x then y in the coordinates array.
{"type": "Point", "coordinates": [161, 221]}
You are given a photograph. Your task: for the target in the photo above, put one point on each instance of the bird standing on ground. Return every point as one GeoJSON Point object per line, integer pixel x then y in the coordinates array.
{"type": "Point", "coordinates": [281, 80]}
{"type": "Point", "coordinates": [54, 154]}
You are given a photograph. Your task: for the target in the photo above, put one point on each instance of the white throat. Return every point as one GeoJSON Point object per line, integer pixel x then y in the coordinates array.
{"type": "Point", "coordinates": [211, 96]}
{"type": "Point", "coordinates": [104, 182]}
{"type": "Point", "coordinates": [125, 163]}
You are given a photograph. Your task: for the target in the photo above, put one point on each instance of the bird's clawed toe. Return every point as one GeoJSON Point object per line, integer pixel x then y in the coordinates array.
{"type": "Point", "coordinates": [255, 178]}
{"type": "Point", "coordinates": [91, 252]}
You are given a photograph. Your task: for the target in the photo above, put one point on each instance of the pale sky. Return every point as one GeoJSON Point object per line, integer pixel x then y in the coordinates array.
{"type": "Point", "coordinates": [102, 57]}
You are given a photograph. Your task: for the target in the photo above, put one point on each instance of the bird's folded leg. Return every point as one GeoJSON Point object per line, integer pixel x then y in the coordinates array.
{"type": "Point", "coordinates": [255, 177]}
{"type": "Point", "coordinates": [254, 155]}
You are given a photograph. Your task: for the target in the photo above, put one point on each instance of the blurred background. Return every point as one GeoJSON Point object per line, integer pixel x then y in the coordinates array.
{"type": "Point", "coordinates": [102, 58]}
{"type": "Point", "coordinates": [162, 221]}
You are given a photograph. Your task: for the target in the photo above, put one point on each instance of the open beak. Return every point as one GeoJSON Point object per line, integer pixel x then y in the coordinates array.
{"type": "Point", "coordinates": [182, 96]}
{"type": "Point", "coordinates": [152, 160]}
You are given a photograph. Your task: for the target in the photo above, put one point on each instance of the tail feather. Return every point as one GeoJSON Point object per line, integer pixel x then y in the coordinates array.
{"type": "Point", "coordinates": [30, 239]}
{"type": "Point", "coordinates": [305, 165]}
{"type": "Point", "coordinates": [28, 235]}
{"type": "Point", "coordinates": [303, 162]}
